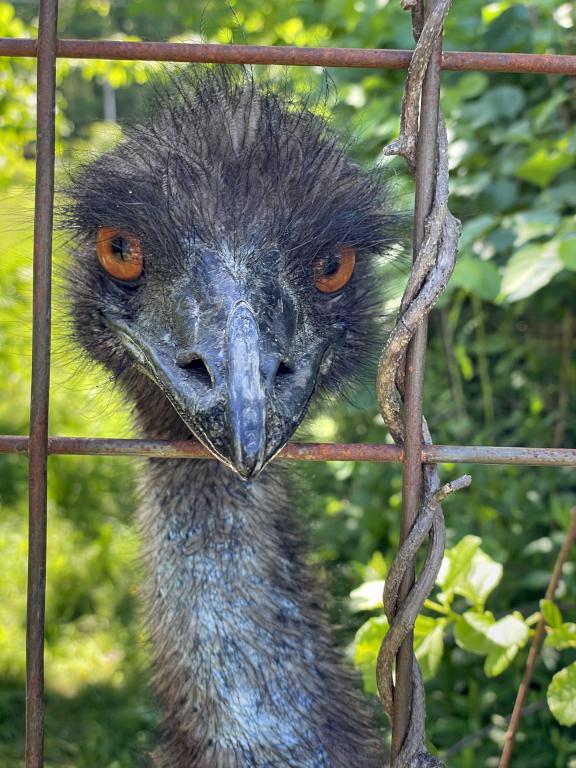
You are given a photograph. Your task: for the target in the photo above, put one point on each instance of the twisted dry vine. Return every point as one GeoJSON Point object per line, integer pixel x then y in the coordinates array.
{"type": "Point", "coordinates": [430, 273]}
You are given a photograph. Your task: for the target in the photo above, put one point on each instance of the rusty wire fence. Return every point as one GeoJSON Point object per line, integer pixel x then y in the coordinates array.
{"type": "Point", "coordinates": [39, 445]}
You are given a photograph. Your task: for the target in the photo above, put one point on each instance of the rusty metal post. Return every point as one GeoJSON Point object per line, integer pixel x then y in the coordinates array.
{"type": "Point", "coordinates": [412, 476]}
{"type": "Point", "coordinates": [38, 445]}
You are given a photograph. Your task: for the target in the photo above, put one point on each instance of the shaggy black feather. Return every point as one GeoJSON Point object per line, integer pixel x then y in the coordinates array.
{"type": "Point", "coordinates": [224, 161]}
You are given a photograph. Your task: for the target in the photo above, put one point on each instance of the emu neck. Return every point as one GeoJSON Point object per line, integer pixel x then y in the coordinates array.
{"type": "Point", "coordinates": [245, 670]}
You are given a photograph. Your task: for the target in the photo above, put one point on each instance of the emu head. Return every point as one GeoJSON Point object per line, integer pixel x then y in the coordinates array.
{"type": "Point", "coordinates": [224, 251]}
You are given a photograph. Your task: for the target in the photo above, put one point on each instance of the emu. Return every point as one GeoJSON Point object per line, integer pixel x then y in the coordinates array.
{"type": "Point", "coordinates": [224, 271]}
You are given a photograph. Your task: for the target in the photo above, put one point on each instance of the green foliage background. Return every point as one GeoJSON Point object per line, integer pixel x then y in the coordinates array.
{"type": "Point", "coordinates": [500, 371]}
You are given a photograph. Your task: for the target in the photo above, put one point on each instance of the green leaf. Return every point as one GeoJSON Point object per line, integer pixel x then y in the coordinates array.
{"type": "Point", "coordinates": [499, 659]}
{"type": "Point", "coordinates": [478, 277]}
{"type": "Point", "coordinates": [551, 613]}
{"type": "Point", "coordinates": [509, 631]}
{"type": "Point", "coordinates": [367, 597]}
{"type": "Point", "coordinates": [429, 644]}
{"type": "Point", "coordinates": [456, 563]}
{"type": "Point", "coordinates": [562, 637]}
{"type": "Point", "coordinates": [511, 28]}
{"type": "Point", "coordinates": [483, 577]}
{"type": "Point", "coordinates": [472, 84]}
{"type": "Point", "coordinates": [547, 110]}
{"type": "Point", "coordinates": [561, 695]}
{"type": "Point", "coordinates": [474, 229]}
{"type": "Point", "coordinates": [503, 102]}
{"type": "Point", "coordinates": [546, 163]}
{"type": "Point", "coordinates": [558, 196]}
{"type": "Point", "coordinates": [530, 225]}
{"type": "Point", "coordinates": [377, 567]}
{"type": "Point", "coordinates": [468, 571]}
{"type": "Point", "coordinates": [531, 268]}
{"type": "Point", "coordinates": [471, 630]}
{"type": "Point", "coordinates": [468, 86]}
{"type": "Point", "coordinates": [464, 362]}
{"type": "Point", "coordinates": [366, 646]}
{"type": "Point", "coordinates": [567, 252]}
{"type": "Point", "coordinates": [500, 194]}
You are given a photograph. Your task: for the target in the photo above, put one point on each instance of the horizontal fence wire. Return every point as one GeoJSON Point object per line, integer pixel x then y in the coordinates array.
{"type": "Point", "coordinates": [370, 58]}
{"type": "Point", "coordinates": [192, 449]}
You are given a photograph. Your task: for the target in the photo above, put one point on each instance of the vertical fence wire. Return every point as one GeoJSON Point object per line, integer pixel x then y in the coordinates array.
{"type": "Point", "coordinates": [39, 400]}
{"type": "Point", "coordinates": [412, 471]}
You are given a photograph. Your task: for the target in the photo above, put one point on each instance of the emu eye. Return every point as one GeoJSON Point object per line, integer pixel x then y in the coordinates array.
{"type": "Point", "coordinates": [119, 253]}
{"type": "Point", "coordinates": [331, 274]}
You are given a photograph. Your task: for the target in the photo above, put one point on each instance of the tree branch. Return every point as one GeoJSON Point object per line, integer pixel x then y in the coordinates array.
{"type": "Point", "coordinates": [536, 643]}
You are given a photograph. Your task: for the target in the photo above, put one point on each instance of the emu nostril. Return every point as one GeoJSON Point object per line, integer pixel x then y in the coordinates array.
{"type": "Point", "coordinates": [284, 369]}
{"type": "Point", "coordinates": [282, 373]}
{"type": "Point", "coordinates": [276, 369]}
{"type": "Point", "coordinates": [191, 361]}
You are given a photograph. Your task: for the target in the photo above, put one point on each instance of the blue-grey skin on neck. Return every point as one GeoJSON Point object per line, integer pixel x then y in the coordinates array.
{"type": "Point", "coordinates": [235, 194]}
{"type": "Point", "coordinates": [245, 668]}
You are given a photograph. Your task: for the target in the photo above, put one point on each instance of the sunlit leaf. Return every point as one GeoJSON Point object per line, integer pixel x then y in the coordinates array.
{"type": "Point", "coordinates": [429, 644]}
{"type": "Point", "coordinates": [366, 646]}
{"type": "Point", "coordinates": [545, 163]}
{"type": "Point", "coordinates": [551, 613]}
{"type": "Point", "coordinates": [499, 659]}
{"type": "Point", "coordinates": [562, 637]}
{"type": "Point", "coordinates": [367, 597]}
{"type": "Point", "coordinates": [456, 563]}
{"type": "Point", "coordinates": [567, 252]}
{"type": "Point", "coordinates": [530, 269]}
{"type": "Point", "coordinates": [471, 630]}
{"type": "Point", "coordinates": [376, 568]}
{"type": "Point", "coordinates": [561, 695]}
{"type": "Point", "coordinates": [483, 577]}
{"type": "Point", "coordinates": [533, 224]}
{"type": "Point", "coordinates": [479, 277]}
{"type": "Point", "coordinates": [507, 632]}
{"type": "Point", "coordinates": [468, 571]}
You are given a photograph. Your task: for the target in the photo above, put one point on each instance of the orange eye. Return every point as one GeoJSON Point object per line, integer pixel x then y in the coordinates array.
{"type": "Point", "coordinates": [119, 253]}
{"type": "Point", "coordinates": [331, 274]}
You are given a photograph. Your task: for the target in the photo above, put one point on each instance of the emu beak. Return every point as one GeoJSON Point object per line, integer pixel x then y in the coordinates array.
{"type": "Point", "coordinates": [231, 388]}
{"type": "Point", "coordinates": [247, 396]}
